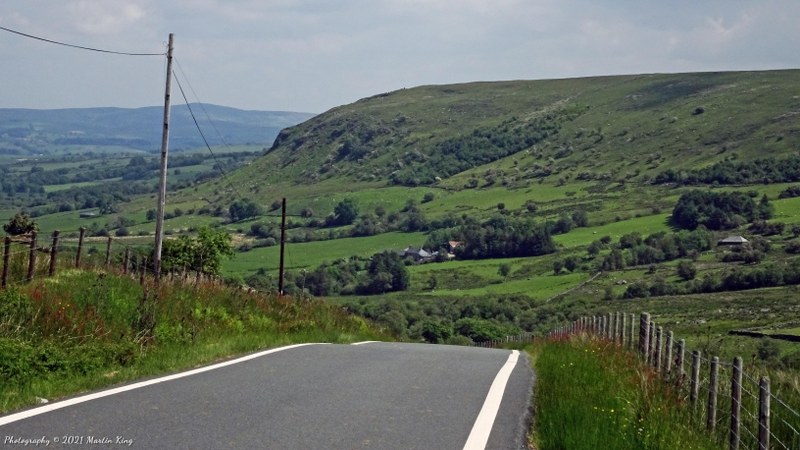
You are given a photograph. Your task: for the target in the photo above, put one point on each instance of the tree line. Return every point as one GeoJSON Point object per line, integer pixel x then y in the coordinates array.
{"type": "Point", "coordinates": [719, 210]}
{"type": "Point", "coordinates": [731, 171]}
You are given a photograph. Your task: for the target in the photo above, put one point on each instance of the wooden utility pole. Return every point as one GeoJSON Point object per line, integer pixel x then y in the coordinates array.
{"type": "Point", "coordinates": [162, 181]}
{"type": "Point", "coordinates": [283, 244]}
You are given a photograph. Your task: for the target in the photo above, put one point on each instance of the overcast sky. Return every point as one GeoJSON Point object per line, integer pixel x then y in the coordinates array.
{"type": "Point", "coordinates": [312, 55]}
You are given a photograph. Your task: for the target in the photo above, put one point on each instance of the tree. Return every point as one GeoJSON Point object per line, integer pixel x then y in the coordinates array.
{"type": "Point", "coordinates": [345, 212]}
{"type": "Point", "coordinates": [435, 331]}
{"type": "Point", "coordinates": [686, 270]}
{"type": "Point", "coordinates": [203, 253]}
{"type": "Point", "coordinates": [571, 263]}
{"type": "Point", "coordinates": [20, 224]}
{"type": "Point", "coordinates": [386, 272]}
{"type": "Point", "coordinates": [580, 218]}
{"type": "Point", "coordinates": [243, 209]}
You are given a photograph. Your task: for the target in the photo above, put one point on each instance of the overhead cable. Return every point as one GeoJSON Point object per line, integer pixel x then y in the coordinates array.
{"type": "Point", "coordinates": [78, 46]}
{"type": "Point", "coordinates": [208, 146]}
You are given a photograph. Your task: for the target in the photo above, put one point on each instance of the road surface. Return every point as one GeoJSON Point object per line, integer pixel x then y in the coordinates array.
{"type": "Point", "coordinates": [367, 396]}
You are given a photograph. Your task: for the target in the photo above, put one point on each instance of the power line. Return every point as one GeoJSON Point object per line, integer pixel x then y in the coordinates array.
{"type": "Point", "coordinates": [50, 41]}
{"type": "Point", "coordinates": [208, 146]}
{"type": "Point", "coordinates": [202, 135]}
{"type": "Point", "coordinates": [200, 103]}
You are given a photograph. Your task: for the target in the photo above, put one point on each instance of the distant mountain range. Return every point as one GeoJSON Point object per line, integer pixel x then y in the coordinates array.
{"type": "Point", "coordinates": [28, 131]}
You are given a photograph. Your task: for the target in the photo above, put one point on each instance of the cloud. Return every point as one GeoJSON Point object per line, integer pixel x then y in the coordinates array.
{"type": "Point", "coordinates": [105, 17]}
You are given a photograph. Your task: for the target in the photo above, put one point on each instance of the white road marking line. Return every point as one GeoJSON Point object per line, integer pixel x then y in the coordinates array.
{"type": "Point", "coordinates": [479, 435]}
{"type": "Point", "coordinates": [364, 342]}
{"type": "Point", "coordinates": [85, 398]}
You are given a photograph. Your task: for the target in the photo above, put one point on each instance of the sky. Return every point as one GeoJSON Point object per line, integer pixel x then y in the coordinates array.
{"type": "Point", "coordinates": [313, 55]}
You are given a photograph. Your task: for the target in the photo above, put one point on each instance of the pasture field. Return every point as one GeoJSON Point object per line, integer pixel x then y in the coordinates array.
{"type": "Point", "coordinates": [309, 255]}
{"type": "Point", "coordinates": [537, 288]}
{"type": "Point", "coordinates": [646, 225]}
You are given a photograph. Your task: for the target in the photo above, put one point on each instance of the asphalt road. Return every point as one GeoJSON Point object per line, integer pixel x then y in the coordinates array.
{"type": "Point", "coordinates": [367, 396]}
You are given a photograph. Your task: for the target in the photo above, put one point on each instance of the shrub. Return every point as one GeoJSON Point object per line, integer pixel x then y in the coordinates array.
{"type": "Point", "coordinates": [686, 270]}
{"type": "Point", "coordinates": [20, 224]}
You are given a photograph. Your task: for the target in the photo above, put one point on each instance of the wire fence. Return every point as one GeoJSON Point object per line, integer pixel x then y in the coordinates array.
{"type": "Point", "coordinates": [747, 410]}
{"type": "Point", "coordinates": [28, 257]}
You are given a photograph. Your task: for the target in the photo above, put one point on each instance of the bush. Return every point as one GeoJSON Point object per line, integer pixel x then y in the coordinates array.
{"type": "Point", "coordinates": [686, 270]}
{"type": "Point", "coordinates": [20, 224]}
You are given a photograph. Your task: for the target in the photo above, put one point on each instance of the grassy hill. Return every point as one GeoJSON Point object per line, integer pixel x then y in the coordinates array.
{"type": "Point", "coordinates": [630, 126]}
{"type": "Point", "coordinates": [558, 142]}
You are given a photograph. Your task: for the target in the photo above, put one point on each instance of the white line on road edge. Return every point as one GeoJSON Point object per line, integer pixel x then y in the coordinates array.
{"type": "Point", "coordinates": [479, 435]}
{"type": "Point", "coordinates": [364, 342]}
{"type": "Point", "coordinates": [85, 398]}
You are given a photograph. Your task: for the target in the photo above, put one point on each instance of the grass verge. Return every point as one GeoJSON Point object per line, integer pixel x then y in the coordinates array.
{"type": "Point", "coordinates": [86, 330]}
{"type": "Point", "coordinates": [591, 394]}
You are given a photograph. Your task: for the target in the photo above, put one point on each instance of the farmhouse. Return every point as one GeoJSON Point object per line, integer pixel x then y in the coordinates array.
{"type": "Point", "coordinates": [732, 240]}
{"type": "Point", "coordinates": [418, 254]}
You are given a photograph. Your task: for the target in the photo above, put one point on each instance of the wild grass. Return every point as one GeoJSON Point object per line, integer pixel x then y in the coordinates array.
{"type": "Point", "coordinates": [83, 330]}
{"type": "Point", "coordinates": [591, 394]}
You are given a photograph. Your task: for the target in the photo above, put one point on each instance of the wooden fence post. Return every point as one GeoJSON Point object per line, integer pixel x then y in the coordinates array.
{"type": "Point", "coordinates": [53, 254]}
{"type": "Point", "coordinates": [763, 413]}
{"type": "Point", "coordinates": [736, 404]}
{"type": "Point", "coordinates": [657, 351]}
{"type": "Point", "coordinates": [82, 231]}
{"type": "Point", "coordinates": [624, 330]}
{"type": "Point", "coordinates": [713, 387]}
{"type": "Point", "coordinates": [644, 334]}
{"type": "Point", "coordinates": [652, 340]}
{"type": "Point", "coordinates": [32, 257]}
{"type": "Point", "coordinates": [679, 361]}
{"type": "Point", "coordinates": [126, 260]}
{"type": "Point", "coordinates": [108, 252]}
{"type": "Point", "coordinates": [6, 255]}
{"type": "Point", "coordinates": [668, 356]}
{"type": "Point", "coordinates": [694, 386]}
{"type": "Point", "coordinates": [632, 331]}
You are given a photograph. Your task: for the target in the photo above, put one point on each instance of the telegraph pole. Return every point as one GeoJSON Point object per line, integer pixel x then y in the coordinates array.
{"type": "Point", "coordinates": [162, 182]}
{"type": "Point", "coordinates": [283, 244]}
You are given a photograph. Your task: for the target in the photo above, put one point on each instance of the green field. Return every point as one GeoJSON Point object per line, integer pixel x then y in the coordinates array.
{"type": "Point", "coordinates": [644, 225]}
{"type": "Point", "coordinates": [309, 255]}
{"type": "Point", "coordinates": [538, 288]}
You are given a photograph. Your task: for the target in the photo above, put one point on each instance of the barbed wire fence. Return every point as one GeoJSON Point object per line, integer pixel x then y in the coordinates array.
{"type": "Point", "coordinates": [746, 409]}
{"type": "Point", "coordinates": [27, 257]}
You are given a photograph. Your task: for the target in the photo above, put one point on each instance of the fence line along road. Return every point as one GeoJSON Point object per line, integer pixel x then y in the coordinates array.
{"type": "Point", "coordinates": [725, 399]}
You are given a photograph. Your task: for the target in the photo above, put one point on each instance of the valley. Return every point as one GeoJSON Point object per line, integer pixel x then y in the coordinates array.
{"type": "Point", "coordinates": [591, 167]}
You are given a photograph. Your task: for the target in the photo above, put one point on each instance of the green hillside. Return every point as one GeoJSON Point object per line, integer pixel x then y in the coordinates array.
{"type": "Point", "coordinates": [630, 126]}
{"type": "Point", "coordinates": [529, 138]}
